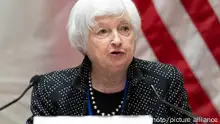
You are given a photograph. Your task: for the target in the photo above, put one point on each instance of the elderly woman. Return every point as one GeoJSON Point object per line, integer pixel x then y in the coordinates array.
{"type": "Point", "coordinates": [110, 81]}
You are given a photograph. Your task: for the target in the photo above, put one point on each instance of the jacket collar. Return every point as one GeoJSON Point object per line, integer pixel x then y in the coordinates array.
{"type": "Point", "coordinates": [81, 81]}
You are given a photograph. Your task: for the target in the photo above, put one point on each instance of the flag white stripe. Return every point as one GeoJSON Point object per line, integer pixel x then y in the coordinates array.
{"type": "Point", "coordinates": [215, 4]}
{"type": "Point", "coordinates": [143, 49]}
{"type": "Point", "coordinates": [192, 47]}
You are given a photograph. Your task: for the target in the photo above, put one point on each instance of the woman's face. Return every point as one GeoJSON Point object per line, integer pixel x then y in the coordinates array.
{"type": "Point", "coordinates": [111, 43]}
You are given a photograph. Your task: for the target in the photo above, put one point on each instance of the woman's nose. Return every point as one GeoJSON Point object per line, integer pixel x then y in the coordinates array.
{"type": "Point", "coordinates": [116, 40]}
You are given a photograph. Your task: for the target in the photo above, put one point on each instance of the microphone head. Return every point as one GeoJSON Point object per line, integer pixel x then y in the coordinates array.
{"type": "Point", "coordinates": [35, 79]}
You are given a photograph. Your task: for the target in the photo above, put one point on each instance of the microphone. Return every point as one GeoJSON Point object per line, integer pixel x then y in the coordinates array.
{"type": "Point", "coordinates": [35, 79]}
{"type": "Point", "coordinates": [189, 114]}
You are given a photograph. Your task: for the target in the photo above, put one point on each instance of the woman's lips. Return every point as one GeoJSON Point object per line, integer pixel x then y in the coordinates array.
{"type": "Point", "coordinates": [117, 53]}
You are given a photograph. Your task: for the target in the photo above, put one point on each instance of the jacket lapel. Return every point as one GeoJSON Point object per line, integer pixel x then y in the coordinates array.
{"type": "Point", "coordinates": [77, 104]}
{"type": "Point", "coordinates": [141, 101]}
{"type": "Point", "coordinates": [139, 95]}
{"type": "Point", "coordinates": [141, 98]}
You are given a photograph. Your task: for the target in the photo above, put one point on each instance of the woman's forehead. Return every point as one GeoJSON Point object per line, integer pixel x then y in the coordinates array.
{"type": "Point", "coordinates": [103, 20]}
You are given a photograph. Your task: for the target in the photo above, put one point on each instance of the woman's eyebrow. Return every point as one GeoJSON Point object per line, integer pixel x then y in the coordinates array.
{"type": "Point", "coordinates": [103, 24]}
{"type": "Point", "coordinates": [124, 21]}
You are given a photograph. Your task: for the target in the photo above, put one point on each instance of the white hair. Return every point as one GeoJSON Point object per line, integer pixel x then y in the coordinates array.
{"type": "Point", "coordinates": [83, 13]}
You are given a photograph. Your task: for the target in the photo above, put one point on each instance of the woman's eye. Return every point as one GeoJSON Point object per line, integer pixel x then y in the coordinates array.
{"type": "Point", "coordinates": [125, 28]}
{"type": "Point", "coordinates": [102, 31]}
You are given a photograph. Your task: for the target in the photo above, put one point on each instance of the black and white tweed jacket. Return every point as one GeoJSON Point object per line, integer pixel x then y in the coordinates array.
{"type": "Point", "coordinates": [62, 93]}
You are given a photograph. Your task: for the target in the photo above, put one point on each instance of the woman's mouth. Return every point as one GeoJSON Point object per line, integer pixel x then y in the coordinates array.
{"type": "Point", "coordinates": [117, 53]}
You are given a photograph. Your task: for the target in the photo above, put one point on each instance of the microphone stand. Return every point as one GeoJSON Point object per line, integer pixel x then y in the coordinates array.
{"type": "Point", "coordinates": [34, 80]}
{"type": "Point", "coordinates": [178, 108]}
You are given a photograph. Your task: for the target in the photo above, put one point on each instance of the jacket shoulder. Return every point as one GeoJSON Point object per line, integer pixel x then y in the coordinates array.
{"type": "Point", "coordinates": [158, 69]}
{"type": "Point", "coordinates": [165, 77]}
{"type": "Point", "coordinates": [46, 92]}
{"type": "Point", "coordinates": [51, 81]}
{"type": "Point", "coordinates": [169, 84]}
{"type": "Point", "coordinates": [60, 76]}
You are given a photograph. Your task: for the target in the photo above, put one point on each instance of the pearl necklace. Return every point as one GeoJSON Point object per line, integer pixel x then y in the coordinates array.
{"type": "Point", "coordinates": [96, 107]}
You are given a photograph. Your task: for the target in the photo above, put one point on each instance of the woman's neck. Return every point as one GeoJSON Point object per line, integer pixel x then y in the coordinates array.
{"type": "Point", "coordinates": [107, 82]}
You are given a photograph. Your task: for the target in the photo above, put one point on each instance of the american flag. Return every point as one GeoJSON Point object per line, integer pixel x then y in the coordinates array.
{"type": "Point", "coordinates": [184, 33]}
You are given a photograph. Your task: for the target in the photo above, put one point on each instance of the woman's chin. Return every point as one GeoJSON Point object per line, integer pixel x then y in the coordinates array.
{"type": "Point", "coordinates": [117, 66]}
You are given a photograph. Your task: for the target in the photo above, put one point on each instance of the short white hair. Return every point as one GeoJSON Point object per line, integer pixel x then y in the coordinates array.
{"type": "Point", "coordinates": [83, 13]}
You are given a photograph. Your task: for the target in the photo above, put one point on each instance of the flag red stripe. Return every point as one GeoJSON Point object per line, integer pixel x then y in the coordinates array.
{"type": "Point", "coordinates": [206, 22]}
{"type": "Point", "coordinates": [167, 52]}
